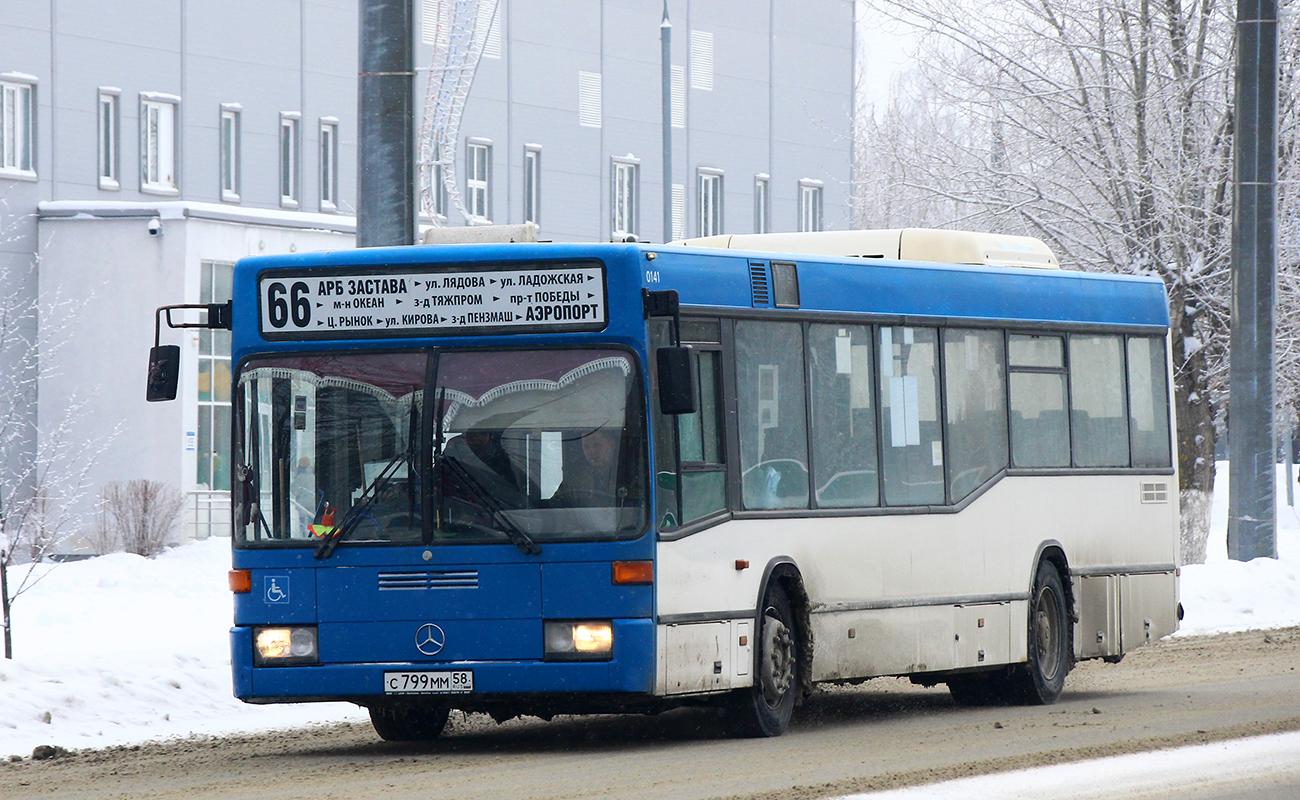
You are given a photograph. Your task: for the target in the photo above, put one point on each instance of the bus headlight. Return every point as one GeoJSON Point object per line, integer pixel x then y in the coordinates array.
{"type": "Point", "coordinates": [285, 645]}
{"type": "Point", "coordinates": [588, 640]}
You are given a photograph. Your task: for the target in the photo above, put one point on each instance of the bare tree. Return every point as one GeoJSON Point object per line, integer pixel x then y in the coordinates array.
{"type": "Point", "coordinates": [1104, 127]}
{"type": "Point", "coordinates": [1288, 278]}
{"type": "Point", "coordinates": [44, 474]}
{"type": "Point", "coordinates": [140, 516]}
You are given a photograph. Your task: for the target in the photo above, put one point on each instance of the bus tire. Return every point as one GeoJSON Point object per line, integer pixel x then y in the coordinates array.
{"type": "Point", "coordinates": [408, 722]}
{"type": "Point", "coordinates": [1039, 680]}
{"type": "Point", "coordinates": [765, 708]}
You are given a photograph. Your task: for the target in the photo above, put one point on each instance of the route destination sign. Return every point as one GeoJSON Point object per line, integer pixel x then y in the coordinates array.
{"type": "Point", "coordinates": [447, 303]}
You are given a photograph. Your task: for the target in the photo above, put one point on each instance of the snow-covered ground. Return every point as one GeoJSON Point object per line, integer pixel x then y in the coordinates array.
{"type": "Point", "coordinates": [1221, 769]}
{"type": "Point", "coordinates": [1223, 595]}
{"type": "Point", "coordinates": [122, 649]}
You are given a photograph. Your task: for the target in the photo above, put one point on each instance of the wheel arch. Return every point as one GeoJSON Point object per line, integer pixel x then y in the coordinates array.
{"type": "Point", "coordinates": [785, 572]}
{"type": "Point", "coordinates": [1053, 552]}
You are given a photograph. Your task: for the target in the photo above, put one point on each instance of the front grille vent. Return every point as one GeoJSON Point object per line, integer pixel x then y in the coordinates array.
{"type": "Point", "coordinates": [758, 285]}
{"type": "Point", "coordinates": [449, 579]}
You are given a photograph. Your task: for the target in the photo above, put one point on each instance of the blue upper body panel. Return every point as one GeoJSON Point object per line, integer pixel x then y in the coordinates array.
{"type": "Point", "coordinates": [721, 278]}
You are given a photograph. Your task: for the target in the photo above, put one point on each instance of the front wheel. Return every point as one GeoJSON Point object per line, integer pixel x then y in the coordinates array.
{"type": "Point", "coordinates": [1040, 680]}
{"type": "Point", "coordinates": [765, 708]}
{"type": "Point", "coordinates": [408, 722]}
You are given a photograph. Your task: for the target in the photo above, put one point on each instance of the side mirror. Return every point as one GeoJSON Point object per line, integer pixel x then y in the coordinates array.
{"type": "Point", "coordinates": [676, 380]}
{"type": "Point", "coordinates": [164, 372]}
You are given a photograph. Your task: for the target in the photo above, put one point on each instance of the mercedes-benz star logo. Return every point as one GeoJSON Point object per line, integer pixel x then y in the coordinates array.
{"type": "Point", "coordinates": [429, 639]}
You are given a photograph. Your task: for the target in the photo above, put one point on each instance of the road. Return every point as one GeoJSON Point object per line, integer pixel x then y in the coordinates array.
{"type": "Point", "coordinates": [882, 734]}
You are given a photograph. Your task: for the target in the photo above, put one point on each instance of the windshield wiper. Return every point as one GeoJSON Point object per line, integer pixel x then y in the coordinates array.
{"type": "Point", "coordinates": [353, 517]}
{"type": "Point", "coordinates": [485, 501]}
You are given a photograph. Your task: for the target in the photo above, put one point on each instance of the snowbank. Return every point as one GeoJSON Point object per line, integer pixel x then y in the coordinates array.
{"type": "Point", "coordinates": [122, 649]}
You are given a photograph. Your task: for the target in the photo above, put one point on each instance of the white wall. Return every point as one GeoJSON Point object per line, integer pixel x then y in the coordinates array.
{"type": "Point", "coordinates": [101, 278]}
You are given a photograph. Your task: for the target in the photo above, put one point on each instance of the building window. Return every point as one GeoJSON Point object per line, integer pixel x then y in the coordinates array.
{"type": "Point", "coordinates": [214, 383]}
{"type": "Point", "coordinates": [17, 129]}
{"type": "Point", "coordinates": [533, 183]}
{"type": "Point", "coordinates": [624, 197]}
{"type": "Point", "coordinates": [158, 144]}
{"type": "Point", "coordinates": [289, 162]}
{"type": "Point", "coordinates": [439, 191]}
{"type": "Point", "coordinates": [702, 60]}
{"type": "Point", "coordinates": [230, 152]}
{"type": "Point", "coordinates": [589, 99]}
{"type": "Point", "coordinates": [478, 180]}
{"type": "Point", "coordinates": [109, 126]}
{"type": "Point", "coordinates": [762, 203]}
{"type": "Point", "coordinates": [709, 208]}
{"type": "Point", "coordinates": [810, 205]}
{"type": "Point", "coordinates": [329, 164]}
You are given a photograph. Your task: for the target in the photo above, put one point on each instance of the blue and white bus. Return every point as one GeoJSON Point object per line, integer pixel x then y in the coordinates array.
{"type": "Point", "coordinates": [569, 478]}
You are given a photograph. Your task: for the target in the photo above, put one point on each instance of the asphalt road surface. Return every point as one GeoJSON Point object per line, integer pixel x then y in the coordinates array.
{"type": "Point", "coordinates": [882, 734]}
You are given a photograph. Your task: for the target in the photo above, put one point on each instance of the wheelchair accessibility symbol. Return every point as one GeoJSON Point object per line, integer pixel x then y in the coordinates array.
{"type": "Point", "coordinates": [276, 589]}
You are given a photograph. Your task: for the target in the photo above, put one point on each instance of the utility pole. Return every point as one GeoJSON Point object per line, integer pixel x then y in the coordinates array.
{"type": "Point", "coordinates": [385, 133]}
{"type": "Point", "coordinates": [1252, 449]}
{"type": "Point", "coordinates": [666, 76]}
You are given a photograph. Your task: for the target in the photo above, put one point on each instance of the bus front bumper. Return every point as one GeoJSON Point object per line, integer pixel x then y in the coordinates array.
{"type": "Point", "coordinates": [631, 670]}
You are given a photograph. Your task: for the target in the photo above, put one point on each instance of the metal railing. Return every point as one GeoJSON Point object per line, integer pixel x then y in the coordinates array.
{"type": "Point", "coordinates": [207, 513]}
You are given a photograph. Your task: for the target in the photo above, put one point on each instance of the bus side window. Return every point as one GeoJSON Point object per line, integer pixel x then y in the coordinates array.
{"type": "Point", "coordinates": [668, 513]}
{"type": "Point", "coordinates": [912, 450]}
{"type": "Point", "coordinates": [976, 390]}
{"type": "Point", "coordinates": [1148, 402]}
{"type": "Point", "coordinates": [1040, 432]}
{"type": "Point", "coordinates": [704, 476]}
{"type": "Point", "coordinates": [843, 414]}
{"type": "Point", "coordinates": [1098, 412]}
{"type": "Point", "coordinates": [773, 426]}
{"type": "Point", "coordinates": [690, 457]}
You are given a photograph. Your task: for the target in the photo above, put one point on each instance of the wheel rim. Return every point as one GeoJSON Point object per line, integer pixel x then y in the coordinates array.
{"type": "Point", "coordinates": [1047, 632]}
{"type": "Point", "coordinates": [776, 671]}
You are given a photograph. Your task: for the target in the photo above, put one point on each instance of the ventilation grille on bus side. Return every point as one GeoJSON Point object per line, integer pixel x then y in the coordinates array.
{"type": "Point", "coordinates": [452, 579]}
{"type": "Point", "coordinates": [758, 286]}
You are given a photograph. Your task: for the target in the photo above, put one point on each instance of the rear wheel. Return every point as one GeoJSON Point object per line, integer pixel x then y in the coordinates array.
{"type": "Point", "coordinates": [408, 723]}
{"type": "Point", "coordinates": [765, 708]}
{"type": "Point", "coordinates": [1040, 680]}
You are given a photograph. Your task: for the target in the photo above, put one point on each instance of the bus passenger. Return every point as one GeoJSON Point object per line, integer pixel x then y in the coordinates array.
{"type": "Point", "coordinates": [593, 482]}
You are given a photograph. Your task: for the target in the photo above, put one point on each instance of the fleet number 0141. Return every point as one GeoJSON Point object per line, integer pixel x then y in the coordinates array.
{"type": "Point", "coordinates": [459, 681]}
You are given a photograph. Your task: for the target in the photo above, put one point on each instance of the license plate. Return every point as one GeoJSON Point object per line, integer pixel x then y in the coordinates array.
{"type": "Point", "coordinates": [457, 681]}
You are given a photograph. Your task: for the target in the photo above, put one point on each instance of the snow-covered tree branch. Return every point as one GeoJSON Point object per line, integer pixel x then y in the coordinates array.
{"type": "Point", "coordinates": [1103, 127]}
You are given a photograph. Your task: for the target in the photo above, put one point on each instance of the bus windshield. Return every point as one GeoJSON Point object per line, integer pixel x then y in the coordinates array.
{"type": "Point", "coordinates": [515, 445]}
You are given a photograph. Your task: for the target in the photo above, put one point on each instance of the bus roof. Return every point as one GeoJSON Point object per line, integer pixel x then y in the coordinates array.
{"type": "Point", "coordinates": [904, 244]}
{"type": "Point", "coordinates": [737, 282]}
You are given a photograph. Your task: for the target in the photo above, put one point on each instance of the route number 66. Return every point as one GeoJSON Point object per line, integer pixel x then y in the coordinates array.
{"type": "Point", "coordinates": [297, 305]}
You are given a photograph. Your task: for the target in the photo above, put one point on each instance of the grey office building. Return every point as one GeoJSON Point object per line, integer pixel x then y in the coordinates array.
{"type": "Point", "coordinates": [146, 145]}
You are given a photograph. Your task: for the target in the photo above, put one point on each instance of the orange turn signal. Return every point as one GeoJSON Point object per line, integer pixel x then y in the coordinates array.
{"type": "Point", "coordinates": [241, 581]}
{"type": "Point", "coordinates": [634, 572]}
